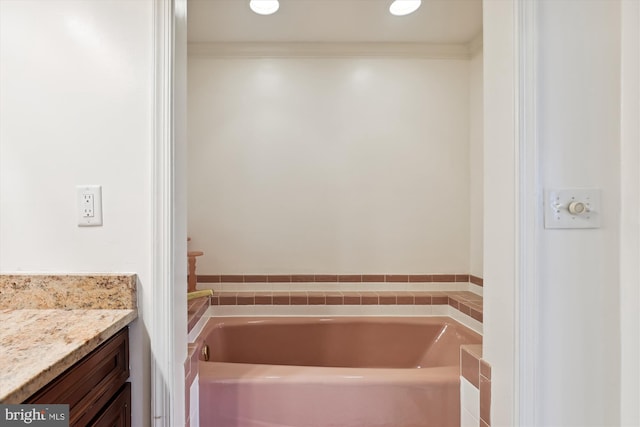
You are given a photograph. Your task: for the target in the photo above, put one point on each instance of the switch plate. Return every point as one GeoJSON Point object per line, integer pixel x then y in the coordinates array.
{"type": "Point", "coordinates": [89, 205]}
{"type": "Point", "coordinates": [560, 203]}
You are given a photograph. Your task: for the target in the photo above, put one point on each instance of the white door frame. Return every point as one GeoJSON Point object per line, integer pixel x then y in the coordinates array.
{"type": "Point", "coordinates": [528, 222]}
{"type": "Point", "coordinates": [161, 332]}
{"type": "Point", "coordinates": [629, 214]}
{"type": "Point", "coordinates": [168, 322]}
{"type": "Point", "coordinates": [168, 251]}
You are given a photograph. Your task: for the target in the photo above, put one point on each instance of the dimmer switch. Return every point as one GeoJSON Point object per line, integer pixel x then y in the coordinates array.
{"type": "Point", "coordinates": [572, 208]}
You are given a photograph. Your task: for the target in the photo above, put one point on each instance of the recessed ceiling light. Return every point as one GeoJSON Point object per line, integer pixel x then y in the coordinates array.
{"type": "Point", "coordinates": [264, 7]}
{"type": "Point", "coordinates": [404, 7]}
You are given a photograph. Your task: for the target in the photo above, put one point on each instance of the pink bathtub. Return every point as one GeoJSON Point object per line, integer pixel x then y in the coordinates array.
{"type": "Point", "coordinates": [343, 372]}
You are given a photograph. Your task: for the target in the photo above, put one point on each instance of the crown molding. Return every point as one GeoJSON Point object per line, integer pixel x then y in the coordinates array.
{"type": "Point", "coordinates": [329, 50]}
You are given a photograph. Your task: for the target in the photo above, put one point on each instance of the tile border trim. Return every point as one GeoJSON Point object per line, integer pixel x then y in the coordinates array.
{"type": "Point", "coordinates": [476, 280]}
{"type": "Point", "coordinates": [339, 278]}
{"type": "Point", "coordinates": [464, 301]}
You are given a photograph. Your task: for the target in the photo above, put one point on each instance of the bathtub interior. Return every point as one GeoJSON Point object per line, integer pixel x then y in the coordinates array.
{"type": "Point", "coordinates": [348, 372]}
{"type": "Point", "coordinates": [338, 342]}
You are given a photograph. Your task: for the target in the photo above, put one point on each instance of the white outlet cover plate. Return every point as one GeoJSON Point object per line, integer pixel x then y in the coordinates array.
{"type": "Point", "coordinates": [556, 208]}
{"type": "Point", "coordinates": [96, 219]}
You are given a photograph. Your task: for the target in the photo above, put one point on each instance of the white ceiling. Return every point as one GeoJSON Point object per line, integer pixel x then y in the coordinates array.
{"type": "Point", "coordinates": [437, 21]}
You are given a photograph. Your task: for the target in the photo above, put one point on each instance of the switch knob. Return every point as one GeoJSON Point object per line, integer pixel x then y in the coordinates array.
{"type": "Point", "coordinates": [577, 208]}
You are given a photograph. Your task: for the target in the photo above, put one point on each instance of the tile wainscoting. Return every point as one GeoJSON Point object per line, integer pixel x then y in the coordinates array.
{"type": "Point", "coordinates": [475, 387]}
{"type": "Point", "coordinates": [457, 295]}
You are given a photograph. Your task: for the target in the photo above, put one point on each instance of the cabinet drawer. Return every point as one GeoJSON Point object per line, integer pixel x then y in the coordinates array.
{"type": "Point", "coordinates": [91, 383]}
{"type": "Point", "coordinates": [118, 412]}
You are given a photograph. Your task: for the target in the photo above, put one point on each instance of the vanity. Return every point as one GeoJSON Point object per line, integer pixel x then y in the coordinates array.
{"type": "Point", "coordinates": [65, 339]}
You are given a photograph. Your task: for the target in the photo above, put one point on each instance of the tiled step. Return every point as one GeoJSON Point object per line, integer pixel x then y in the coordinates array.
{"type": "Point", "coordinates": [195, 309]}
{"type": "Point", "coordinates": [466, 302]}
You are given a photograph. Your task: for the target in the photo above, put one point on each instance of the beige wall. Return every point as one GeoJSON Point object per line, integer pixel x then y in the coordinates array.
{"type": "Point", "coordinates": [476, 164]}
{"type": "Point", "coordinates": [346, 165]}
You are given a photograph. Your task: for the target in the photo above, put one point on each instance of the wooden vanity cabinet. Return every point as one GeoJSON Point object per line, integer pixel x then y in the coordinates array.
{"type": "Point", "coordinates": [118, 411]}
{"type": "Point", "coordinates": [95, 388]}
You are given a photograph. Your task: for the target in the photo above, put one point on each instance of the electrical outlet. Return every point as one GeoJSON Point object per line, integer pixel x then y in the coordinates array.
{"type": "Point", "coordinates": [89, 205]}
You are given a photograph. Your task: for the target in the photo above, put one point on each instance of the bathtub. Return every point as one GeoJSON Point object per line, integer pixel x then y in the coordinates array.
{"type": "Point", "coordinates": [338, 371]}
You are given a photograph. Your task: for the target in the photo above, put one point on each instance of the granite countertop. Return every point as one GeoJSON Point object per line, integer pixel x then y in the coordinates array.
{"type": "Point", "coordinates": [49, 322]}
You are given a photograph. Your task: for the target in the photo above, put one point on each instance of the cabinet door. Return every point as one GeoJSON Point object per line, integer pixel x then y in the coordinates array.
{"type": "Point", "coordinates": [118, 412]}
{"type": "Point", "coordinates": [89, 385]}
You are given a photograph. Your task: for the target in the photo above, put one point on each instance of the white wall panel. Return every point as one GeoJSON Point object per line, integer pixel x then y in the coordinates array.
{"type": "Point", "coordinates": [75, 105]}
{"type": "Point", "coordinates": [346, 165]}
{"type": "Point", "coordinates": [579, 137]}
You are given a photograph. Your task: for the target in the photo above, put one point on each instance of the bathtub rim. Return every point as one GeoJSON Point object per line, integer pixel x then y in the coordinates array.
{"type": "Point", "coordinates": [334, 311]}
